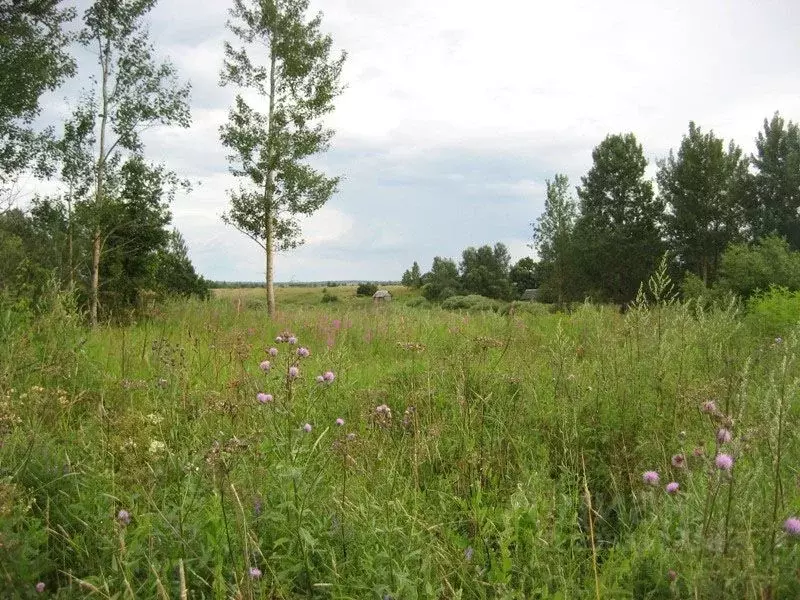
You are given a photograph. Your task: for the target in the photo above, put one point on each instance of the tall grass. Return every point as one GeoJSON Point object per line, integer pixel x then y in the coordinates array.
{"type": "Point", "coordinates": [482, 455]}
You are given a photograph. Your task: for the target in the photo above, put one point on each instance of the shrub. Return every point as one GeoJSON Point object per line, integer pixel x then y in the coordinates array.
{"type": "Point", "coordinates": [328, 297]}
{"type": "Point", "coordinates": [417, 301]}
{"type": "Point", "coordinates": [471, 302]}
{"type": "Point", "coordinates": [774, 312]}
{"type": "Point", "coordinates": [366, 289]}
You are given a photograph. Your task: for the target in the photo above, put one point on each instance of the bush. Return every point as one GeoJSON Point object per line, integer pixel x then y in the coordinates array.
{"type": "Point", "coordinates": [366, 289]}
{"type": "Point", "coordinates": [747, 269]}
{"type": "Point", "coordinates": [774, 312]}
{"type": "Point", "coordinates": [417, 301]}
{"type": "Point", "coordinates": [471, 302]}
{"type": "Point", "coordinates": [328, 297]}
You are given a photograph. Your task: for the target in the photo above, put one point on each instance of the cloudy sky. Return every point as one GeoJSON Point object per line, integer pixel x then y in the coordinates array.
{"type": "Point", "coordinates": [457, 111]}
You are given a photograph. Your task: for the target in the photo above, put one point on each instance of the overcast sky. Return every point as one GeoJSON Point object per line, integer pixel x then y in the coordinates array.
{"type": "Point", "coordinates": [457, 111]}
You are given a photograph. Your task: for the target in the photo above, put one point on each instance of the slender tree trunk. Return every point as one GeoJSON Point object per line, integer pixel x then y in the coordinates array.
{"type": "Point", "coordinates": [70, 266]}
{"type": "Point", "coordinates": [269, 190]}
{"type": "Point", "coordinates": [101, 165]}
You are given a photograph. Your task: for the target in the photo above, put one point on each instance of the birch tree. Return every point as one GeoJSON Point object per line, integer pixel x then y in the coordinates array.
{"type": "Point", "coordinates": [287, 69]}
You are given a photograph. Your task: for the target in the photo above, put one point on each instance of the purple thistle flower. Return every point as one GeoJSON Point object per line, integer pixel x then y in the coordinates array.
{"type": "Point", "coordinates": [264, 398]}
{"type": "Point", "coordinates": [307, 427]}
{"type": "Point", "coordinates": [672, 488]}
{"type": "Point", "coordinates": [40, 587]}
{"type": "Point", "coordinates": [792, 526]}
{"type": "Point", "coordinates": [292, 340]}
{"type": "Point", "coordinates": [124, 517]}
{"type": "Point", "coordinates": [678, 461]}
{"type": "Point", "coordinates": [273, 351]}
{"type": "Point", "coordinates": [709, 407]}
{"type": "Point", "coordinates": [650, 478]}
{"type": "Point", "coordinates": [303, 352]}
{"type": "Point", "coordinates": [340, 421]}
{"type": "Point", "coordinates": [265, 366]}
{"type": "Point", "coordinates": [293, 372]}
{"type": "Point", "coordinates": [724, 462]}
{"type": "Point", "coordinates": [328, 376]}
{"type": "Point", "coordinates": [320, 379]}
{"type": "Point", "coordinates": [255, 573]}
{"type": "Point", "coordinates": [723, 435]}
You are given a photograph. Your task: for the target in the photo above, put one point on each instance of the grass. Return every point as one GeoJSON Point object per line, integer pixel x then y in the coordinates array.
{"type": "Point", "coordinates": [482, 455]}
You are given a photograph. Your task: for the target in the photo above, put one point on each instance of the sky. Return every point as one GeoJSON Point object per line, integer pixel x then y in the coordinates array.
{"type": "Point", "coordinates": [456, 113]}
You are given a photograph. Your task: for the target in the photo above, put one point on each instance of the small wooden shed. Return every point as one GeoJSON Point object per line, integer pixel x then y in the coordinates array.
{"type": "Point", "coordinates": [381, 296]}
{"type": "Point", "coordinates": [530, 295]}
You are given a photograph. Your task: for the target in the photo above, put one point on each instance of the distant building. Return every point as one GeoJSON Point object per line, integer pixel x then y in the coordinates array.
{"type": "Point", "coordinates": [381, 296]}
{"type": "Point", "coordinates": [530, 295]}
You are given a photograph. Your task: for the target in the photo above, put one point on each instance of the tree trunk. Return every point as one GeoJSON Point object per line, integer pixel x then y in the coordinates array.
{"type": "Point", "coordinates": [269, 189]}
{"type": "Point", "coordinates": [94, 300]}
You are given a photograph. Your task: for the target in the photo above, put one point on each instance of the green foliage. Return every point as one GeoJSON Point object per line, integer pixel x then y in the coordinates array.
{"type": "Point", "coordinates": [328, 297]}
{"type": "Point", "coordinates": [747, 269]}
{"type": "Point", "coordinates": [442, 281]}
{"type": "Point", "coordinates": [174, 273]}
{"type": "Point", "coordinates": [485, 271]}
{"type": "Point", "coordinates": [471, 302]}
{"type": "Point", "coordinates": [524, 275]}
{"type": "Point", "coordinates": [298, 82]}
{"type": "Point", "coordinates": [34, 58]}
{"type": "Point", "coordinates": [775, 207]}
{"type": "Point", "coordinates": [620, 243]}
{"type": "Point", "coordinates": [366, 289]}
{"type": "Point", "coordinates": [774, 311]}
{"type": "Point", "coordinates": [704, 190]}
{"type": "Point", "coordinates": [412, 278]}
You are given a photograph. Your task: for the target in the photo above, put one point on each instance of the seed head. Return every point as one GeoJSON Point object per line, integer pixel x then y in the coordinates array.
{"type": "Point", "coordinates": [678, 461]}
{"type": "Point", "coordinates": [723, 435]}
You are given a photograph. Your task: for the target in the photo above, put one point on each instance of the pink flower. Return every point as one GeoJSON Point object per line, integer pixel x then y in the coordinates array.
{"type": "Point", "coordinates": [303, 352]}
{"type": "Point", "coordinates": [124, 517]}
{"type": "Point", "coordinates": [672, 488]}
{"type": "Point", "coordinates": [672, 575]}
{"type": "Point", "coordinates": [792, 526]}
{"type": "Point", "coordinates": [709, 407]}
{"type": "Point", "coordinates": [292, 340]}
{"type": "Point", "coordinates": [340, 421]}
{"type": "Point", "coordinates": [40, 587]}
{"type": "Point", "coordinates": [255, 573]}
{"type": "Point", "coordinates": [328, 376]}
{"type": "Point", "coordinates": [273, 351]}
{"type": "Point", "coordinates": [724, 462]}
{"type": "Point", "coordinates": [265, 366]}
{"type": "Point", "coordinates": [293, 372]}
{"type": "Point", "coordinates": [264, 398]}
{"type": "Point", "coordinates": [307, 427]}
{"type": "Point", "coordinates": [650, 478]}
{"type": "Point", "coordinates": [723, 435]}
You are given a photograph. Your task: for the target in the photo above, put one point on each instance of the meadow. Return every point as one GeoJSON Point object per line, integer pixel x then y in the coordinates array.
{"type": "Point", "coordinates": [414, 453]}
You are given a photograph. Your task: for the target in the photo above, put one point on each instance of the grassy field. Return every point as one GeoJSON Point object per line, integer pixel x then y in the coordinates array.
{"type": "Point", "coordinates": [444, 454]}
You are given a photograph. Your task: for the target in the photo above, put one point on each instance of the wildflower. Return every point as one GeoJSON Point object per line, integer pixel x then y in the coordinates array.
{"type": "Point", "coordinates": [678, 461]}
{"type": "Point", "coordinates": [124, 517]}
{"type": "Point", "coordinates": [724, 462]}
{"type": "Point", "coordinates": [672, 575]}
{"type": "Point", "coordinates": [279, 339]}
{"type": "Point", "coordinates": [155, 418]}
{"type": "Point", "coordinates": [303, 352]}
{"type": "Point", "coordinates": [672, 488]}
{"type": "Point", "coordinates": [293, 372]}
{"type": "Point", "coordinates": [778, 340]}
{"type": "Point", "coordinates": [292, 340]}
{"type": "Point", "coordinates": [468, 552]}
{"type": "Point", "coordinates": [351, 437]}
{"type": "Point", "coordinates": [709, 407]}
{"type": "Point", "coordinates": [650, 478]}
{"type": "Point", "coordinates": [40, 587]}
{"type": "Point", "coordinates": [156, 447]}
{"type": "Point", "coordinates": [340, 421]}
{"type": "Point", "coordinates": [307, 427]}
{"type": "Point", "coordinates": [264, 398]}
{"type": "Point", "coordinates": [273, 351]}
{"type": "Point", "coordinates": [320, 379]}
{"type": "Point", "coordinates": [255, 573]}
{"type": "Point", "coordinates": [723, 435]}
{"type": "Point", "coordinates": [265, 366]}
{"type": "Point", "coordinates": [792, 526]}
{"type": "Point", "coordinates": [328, 376]}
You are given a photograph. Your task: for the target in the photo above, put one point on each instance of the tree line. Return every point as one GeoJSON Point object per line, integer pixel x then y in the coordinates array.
{"type": "Point", "coordinates": [726, 222]}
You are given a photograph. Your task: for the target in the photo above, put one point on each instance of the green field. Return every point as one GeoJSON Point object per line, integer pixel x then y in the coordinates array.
{"type": "Point", "coordinates": [482, 455]}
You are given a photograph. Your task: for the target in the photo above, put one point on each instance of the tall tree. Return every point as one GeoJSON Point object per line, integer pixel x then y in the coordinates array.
{"type": "Point", "coordinates": [298, 81]}
{"type": "Point", "coordinates": [413, 277]}
{"type": "Point", "coordinates": [618, 228]}
{"type": "Point", "coordinates": [484, 271]}
{"type": "Point", "coordinates": [776, 200]}
{"type": "Point", "coordinates": [552, 237]}
{"type": "Point", "coordinates": [135, 92]}
{"type": "Point", "coordinates": [524, 275]}
{"type": "Point", "coordinates": [442, 280]}
{"type": "Point", "coordinates": [34, 58]}
{"type": "Point", "coordinates": [703, 189]}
